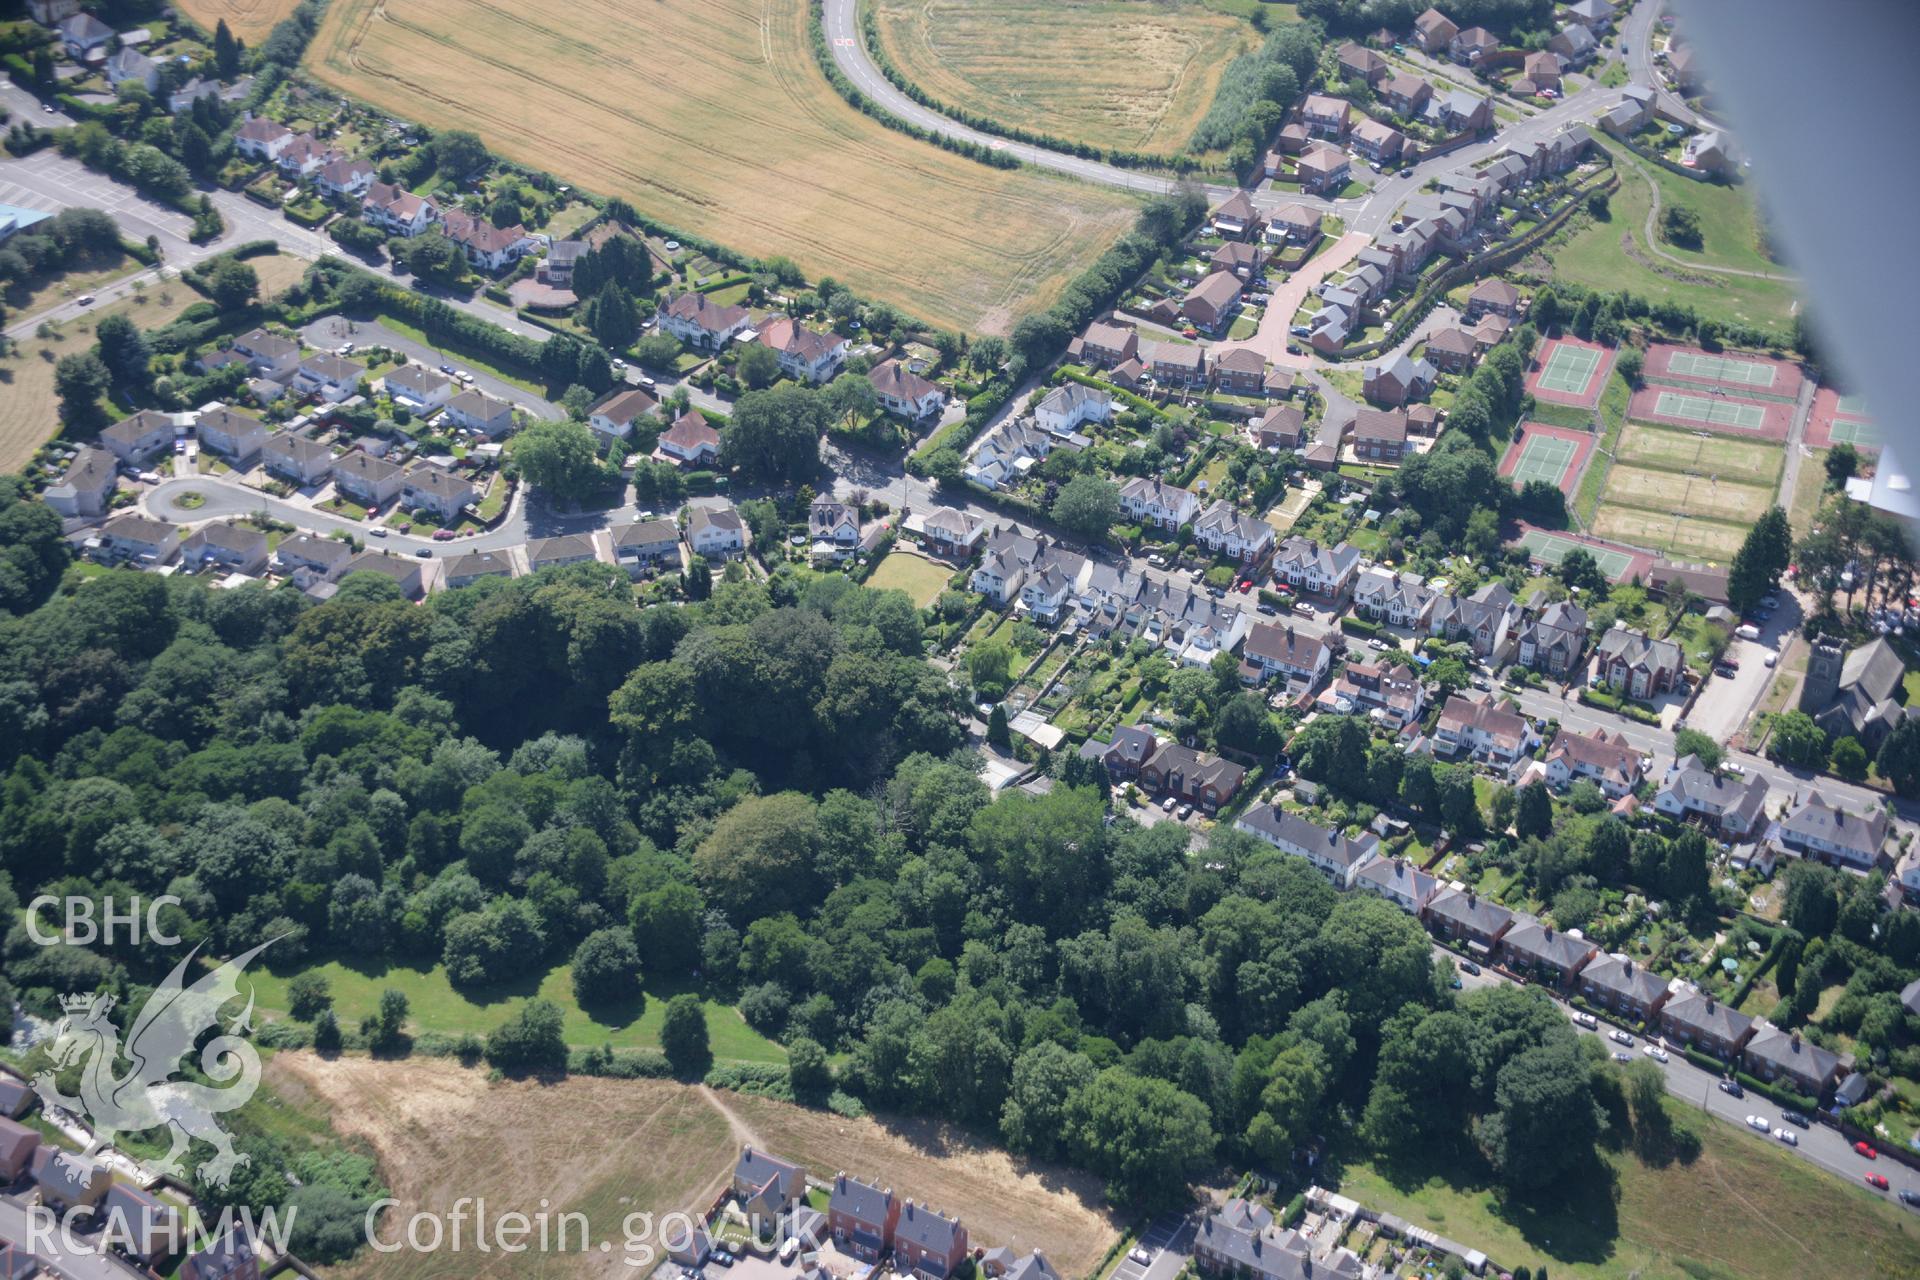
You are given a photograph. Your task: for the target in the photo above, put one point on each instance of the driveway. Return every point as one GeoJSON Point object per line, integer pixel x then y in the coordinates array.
{"type": "Point", "coordinates": [329, 332]}
{"type": "Point", "coordinates": [1170, 1241]}
{"type": "Point", "coordinates": [1270, 340]}
{"type": "Point", "coordinates": [1724, 705]}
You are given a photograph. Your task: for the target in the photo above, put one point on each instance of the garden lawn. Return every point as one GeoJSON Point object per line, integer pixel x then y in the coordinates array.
{"type": "Point", "coordinates": [919, 577]}
{"type": "Point", "coordinates": [436, 1005]}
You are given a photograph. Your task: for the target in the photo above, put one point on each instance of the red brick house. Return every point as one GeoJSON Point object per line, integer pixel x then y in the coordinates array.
{"type": "Point", "coordinates": [1618, 984]}
{"type": "Point", "coordinates": [1379, 435]}
{"type": "Point", "coordinates": [1240, 372]}
{"type": "Point", "coordinates": [1193, 776]}
{"type": "Point", "coordinates": [862, 1217]}
{"type": "Point", "coordinates": [1699, 1021]}
{"type": "Point", "coordinates": [1212, 300]}
{"type": "Point", "coordinates": [928, 1244]}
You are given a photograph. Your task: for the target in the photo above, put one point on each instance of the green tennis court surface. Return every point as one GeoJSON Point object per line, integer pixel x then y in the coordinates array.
{"type": "Point", "coordinates": [1544, 458]}
{"type": "Point", "coordinates": [1852, 406]}
{"type": "Point", "coordinates": [1569, 369]}
{"type": "Point", "coordinates": [1551, 548]}
{"type": "Point", "coordinates": [1854, 432]}
{"type": "Point", "coordinates": [1719, 413]}
{"type": "Point", "coordinates": [1720, 369]}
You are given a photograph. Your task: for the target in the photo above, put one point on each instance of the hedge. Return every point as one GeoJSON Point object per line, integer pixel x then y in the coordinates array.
{"type": "Point", "coordinates": [1357, 626]}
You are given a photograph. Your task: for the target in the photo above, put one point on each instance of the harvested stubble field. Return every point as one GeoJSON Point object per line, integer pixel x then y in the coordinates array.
{"type": "Point", "coordinates": [442, 1131]}
{"type": "Point", "coordinates": [1134, 74]}
{"type": "Point", "coordinates": [1686, 495]}
{"type": "Point", "coordinates": [250, 20]}
{"type": "Point", "coordinates": [711, 116]}
{"type": "Point", "coordinates": [1709, 455]}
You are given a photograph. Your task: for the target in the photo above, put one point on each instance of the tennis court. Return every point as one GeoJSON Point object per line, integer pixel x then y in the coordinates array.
{"type": "Point", "coordinates": [1710, 410]}
{"type": "Point", "coordinates": [1543, 458]}
{"type": "Point", "coordinates": [1746, 373]}
{"type": "Point", "coordinates": [1552, 548]}
{"type": "Point", "coordinates": [1569, 369]}
{"type": "Point", "coordinates": [1852, 406]}
{"type": "Point", "coordinates": [1552, 454]}
{"type": "Point", "coordinates": [1700, 453]}
{"type": "Point", "coordinates": [1855, 433]}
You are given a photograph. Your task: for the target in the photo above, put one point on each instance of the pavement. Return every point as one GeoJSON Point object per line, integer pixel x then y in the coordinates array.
{"type": "Point", "coordinates": [329, 332]}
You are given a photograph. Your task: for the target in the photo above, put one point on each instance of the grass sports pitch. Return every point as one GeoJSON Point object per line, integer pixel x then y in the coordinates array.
{"type": "Point", "coordinates": [1551, 549]}
{"type": "Point", "coordinates": [1707, 409]}
{"type": "Point", "coordinates": [1569, 369]}
{"type": "Point", "coordinates": [1721, 369]}
{"type": "Point", "coordinates": [1544, 458]}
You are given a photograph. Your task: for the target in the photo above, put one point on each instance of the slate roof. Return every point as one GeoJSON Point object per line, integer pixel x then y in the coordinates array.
{"type": "Point", "coordinates": [1623, 977]}
{"type": "Point", "coordinates": [1703, 1015]}
{"type": "Point", "coordinates": [1543, 944]}
{"type": "Point", "coordinates": [1294, 830]}
{"type": "Point", "coordinates": [1467, 909]}
{"type": "Point", "coordinates": [1816, 819]}
{"type": "Point", "coordinates": [1787, 1052]}
{"type": "Point", "coordinates": [927, 1228]}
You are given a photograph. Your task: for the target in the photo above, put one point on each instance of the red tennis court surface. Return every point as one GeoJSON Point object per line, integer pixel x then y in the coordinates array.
{"type": "Point", "coordinates": [1739, 372]}
{"type": "Point", "coordinates": [1838, 419]}
{"type": "Point", "coordinates": [1710, 410]}
{"type": "Point", "coordinates": [1570, 371]}
{"type": "Point", "coordinates": [1554, 454]}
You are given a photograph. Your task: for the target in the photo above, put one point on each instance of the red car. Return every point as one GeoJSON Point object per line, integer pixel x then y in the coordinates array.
{"type": "Point", "coordinates": [1877, 1181]}
{"type": "Point", "coordinates": [443, 535]}
{"type": "Point", "coordinates": [1866, 1149]}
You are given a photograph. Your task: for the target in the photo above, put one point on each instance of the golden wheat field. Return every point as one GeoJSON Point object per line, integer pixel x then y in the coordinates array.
{"type": "Point", "coordinates": [250, 20]}
{"type": "Point", "coordinates": [1135, 74]}
{"type": "Point", "coordinates": [712, 116]}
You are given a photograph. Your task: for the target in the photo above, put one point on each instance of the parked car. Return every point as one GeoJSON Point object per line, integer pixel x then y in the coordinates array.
{"type": "Point", "coordinates": [1468, 966]}
{"type": "Point", "coordinates": [1139, 1254]}
{"type": "Point", "coordinates": [425, 553]}
{"type": "Point", "coordinates": [1268, 607]}
{"type": "Point", "coordinates": [1586, 1020]}
{"type": "Point", "coordinates": [376, 532]}
{"type": "Point", "coordinates": [1878, 1181]}
{"type": "Point", "coordinates": [85, 299]}
{"type": "Point", "coordinates": [1795, 1118]}
{"type": "Point", "coordinates": [1866, 1149]}
{"type": "Point", "coordinates": [1655, 1052]}
{"type": "Point", "coordinates": [1787, 1136]}
{"type": "Point", "coordinates": [443, 535]}
{"type": "Point", "coordinates": [1302, 608]}
{"type": "Point", "coordinates": [1760, 1123]}
{"type": "Point", "coordinates": [1166, 806]}
{"type": "Point", "coordinates": [1621, 1055]}
{"type": "Point", "coordinates": [1910, 1198]}
{"type": "Point", "coordinates": [1184, 812]}
{"type": "Point", "coordinates": [1732, 1089]}
{"type": "Point", "coordinates": [1620, 1037]}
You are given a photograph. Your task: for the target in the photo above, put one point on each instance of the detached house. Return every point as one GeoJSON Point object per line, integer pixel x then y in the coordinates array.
{"type": "Point", "coordinates": [1235, 217]}
{"type": "Point", "coordinates": [1324, 168]}
{"type": "Point", "coordinates": [1334, 854]}
{"type": "Point", "coordinates": [1108, 344]}
{"type": "Point", "coordinates": [1547, 954]}
{"type": "Point", "coordinates": [616, 415]}
{"type": "Point", "coordinates": [1307, 565]}
{"type": "Point", "coordinates": [1196, 777]}
{"type": "Point", "coordinates": [905, 394]}
{"type": "Point", "coordinates": [1210, 303]}
{"type": "Point", "coordinates": [691, 441]}
{"type": "Point", "coordinates": [1608, 762]}
{"type": "Point", "coordinates": [951, 533]}
{"type": "Point", "coordinates": [1471, 45]}
{"type": "Point", "coordinates": [833, 527]}
{"type": "Point", "coordinates": [1380, 143]}
{"type": "Point", "coordinates": [1461, 915]}
{"type": "Point", "coordinates": [1632, 663]}
{"type": "Point", "coordinates": [1150, 501]}
{"type": "Point", "coordinates": [1553, 641]}
{"type": "Point", "coordinates": [1326, 117]}
{"type": "Point", "coordinates": [487, 246]}
{"type": "Point", "coordinates": [1542, 70]}
{"type": "Point", "coordinates": [928, 1244]}
{"type": "Point", "coordinates": [698, 321]}
{"type": "Point", "coordinates": [1380, 435]}
{"type": "Point", "coordinates": [1281, 427]}
{"type": "Point", "coordinates": [87, 487]}
{"type": "Point", "coordinates": [1451, 350]}
{"type": "Point", "coordinates": [718, 533]}
{"type": "Point", "coordinates": [1433, 31]}
{"type": "Point", "coordinates": [862, 1217]}
{"type": "Point", "coordinates": [1736, 805]}
{"type": "Point", "coordinates": [1358, 61]}
{"type": "Point", "coordinates": [1295, 224]}
{"type": "Point", "coordinates": [1574, 45]}
{"type": "Point", "coordinates": [1699, 1021]}
{"type": "Point", "coordinates": [262, 139]}
{"type": "Point", "coordinates": [1071, 405]}
{"type": "Point", "coordinates": [1485, 729]}
{"type": "Point", "coordinates": [1393, 691]}
{"type": "Point", "coordinates": [1397, 379]}
{"type": "Point", "coordinates": [1826, 833]}
{"type": "Point", "coordinates": [804, 354]}
{"type": "Point", "coordinates": [343, 178]}
{"type": "Point", "coordinates": [398, 211]}
{"type": "Point", "coordinates": [1489, 620]}
{"type": "Point", "coordinates": [1277, 650]}
{"type": "Point", "coordinates": [1227, 531]}
{"type": "Point", "coordinates": [1620, 986]}
{"type": "Point", "coordinates": [133, 65]}
{"type": "Point", "coordinates": [1493, 295]}
{"type": "Point", "coordinates": [1406, 94]}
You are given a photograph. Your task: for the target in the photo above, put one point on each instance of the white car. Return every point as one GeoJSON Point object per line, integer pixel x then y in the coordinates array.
{"type": "Point", "coordinates": [1787, 1136]}
{"type": "Point", "coordinates": [1586, 1020]}
{"type": "Point", "coordinates": [1772, 660]}
{"type": "Point", "coordinates": [1620, 1037]}
{"type": "Point", "coordinates": [377, 532]}
{"type": "Point", "coordinates": [1655, 1052]}
{"type": "Point", "coordinates": [1760, 1123]}
{"type": "Point", "coordinates": [1140, 1255]}
{"type": "Point", "coordinates": [1166, 806]}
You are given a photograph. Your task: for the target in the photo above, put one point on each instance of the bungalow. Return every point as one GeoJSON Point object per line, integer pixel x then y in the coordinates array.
{"type": "Point", "coordinates": [1736, 805]}
{"type": "Point", "coordinates": [134, 537]}
{"type": "Point", "coordinates": [1326, 117]}
{"type": "Point", "coordinates": [1209, 303]}
{"type": "Point", "coordinates": [1406, 94]}
{"type": "Point", "coordinates": [87, 487]}
{"type": "Point", "coordinates": [1150, 501]}
{"type": "Point", "coordinates": [1433, 31]}
{"type": "Point", "coordinates": [646, 544]}
{"type": "Point", "coordinates": [1334, 854]}
{"type": "Point", "coordinates": [237, 548]}
{"type": "Point", "coordinates": [1358, 61]}
{"type": "Point", "coordinates": [1471, 45]}
{"type": "Point", "coordinates": [1493, 295]}
{"type": "Point", "coordinates": [1240, 372]}
{"type": "Point", "coordinates": [344, 179]}
{"type": "Point", "coordinates": [689, 1244]}
{"type": "Point", "coordinates": [418, 388]}
{"type": "Point", "coordinates": [262, 139]}
{"type": "Point", "coordinates": [804, 354]}
{"type": "Point", "coordinates": [1776, 1055]}
{"type": "Point", "coordinates": [1380, 435]}
{"type": "Point", "coordinates": [1236, 217]}
{"type": "Point", "coordinates": [1608, 762]}
{"type": "Point", "coordinates": [1461, 915]}
{"type": "Point", "coordinates": [691, 441]}
{"type": "Point", "coordinates": [232, 1257]}
{"type": "Point", "coordinates": [951, 533]}
{"type": "Point", "coordinates": [616, 415]}
{"type": "Point", "coordinates": [928, 1244]}
{"type": "Point", "coordinates": [1130, 748]}
{"type": "Point", "coordinates": [1489, 620]}
{"type": "Point", "coordinates": [1380, 143]}
{"type": "Point", "coordinates": [1699, 1021]}
{"type": "Point", "coordinates": [304, 553]}
{"type": "Point", "coordinates": [1451, 350]}
{"type": "Point", "coordinates": [367, 480]}
{"type": "Point", "coordinates": [1399, 598]}
{"type": "Point", "coordinates": [1395, 380]}
{"type": "Point", "coordinates": [1826, 833]}
{"type": "Point", "coordinates": [465, 570]}
{"type": "Point", "coordinates": [1554, 641]}
{"type": "Point", "coordinates": [437, 491]}
{"type": "Point", "coordinates": [1108, 344]}
{"type": "Point", "coordinates": [297, 459]}
{"type": "Point", "coordinates": [1193, 776]}
{"type": "Point", "coordinates": [1633, 663]}
{"type": "Point", "coordinates": [478, 411]}
{"type": "Point", "coordinates": [1622, 987]}
{"type": "Point", "coordinates": [1071, 405]}
{"type": "Point", "coordinates": [1400, 882]}
{"type": "Point", "coordinates": [1394, 692]}
{"type": "Point", "coordinates": [1307, 565]}
{"type": "Point", "coordinates": [1324, 168]}
{"type": "Point", "coordinates": [135, 66]}
{"type": "Point", "coordinates": [487, 246]}
{"type": "Point", "coordinates": [1484, 729]}
{"type": "Point", "coordinates": [398, 211]}
{"type": "Point", "coordinates": [1276, 649]}
{"type": "Point", "coordinates": [701, 323]}
{"type": "Point", "coordinates": [717, 533]}
{"type": "Point", "coordinates": [332, 378]}
{"type": "Point", "coordinates": [1545, 953]}
{"type": "Point", "coordinates": [268, 355]}
{"type": "Point", "coordinates": [558, 552]}
{"type": "Point", "coordinates": [1295, 223]}
{"type": "Point", "coordinates": [861, 1217]}
{"type": "Point", "coordinates": [904, 393]}
{"type": "Point", "coordinates": [230, 434]}
{"type": "Point", "coordinates": [134, 438]}
{"type": "Point", "coordinates": [1176, 364]}
{"type": "Point", "coordinates": [1281, 427]}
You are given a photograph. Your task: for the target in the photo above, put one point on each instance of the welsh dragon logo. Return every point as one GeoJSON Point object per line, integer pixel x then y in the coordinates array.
{"type": "Point", "coordinates": [146, 1096]}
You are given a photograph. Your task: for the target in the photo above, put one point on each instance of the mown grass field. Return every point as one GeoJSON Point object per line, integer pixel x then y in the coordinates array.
{"type": "Point", "coordinates": [250, 20]}
{"type": "Point", "coordinates": [1659, 447]}
{"type": "Point", "coordinates": [1688, 537]}
{"type": "Point", "coordinates": [1686, 495]}
{"type": "Point", "coordinates": [919, 577]}
{"type": "Point", "coordinates": [1739, 1210]}
{"type": "Point", "coordinates": [1134, 74]}
{"type": "Point", "coordinates": [712, 116]}
{"type": "Point", "coordinates": [436, 1005]}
